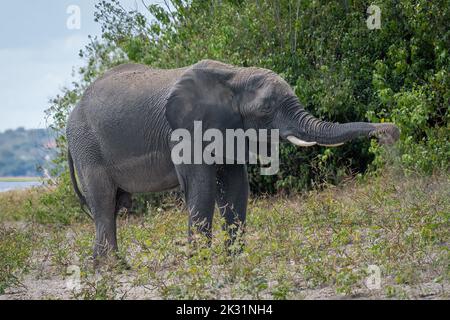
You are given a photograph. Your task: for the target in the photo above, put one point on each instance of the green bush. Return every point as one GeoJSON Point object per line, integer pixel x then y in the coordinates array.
{"type": "Point", "coordinates": [341, 70]}
{"type": "Point", "coordinates": [59, 206]}
{"type": "Point", "coordinates": [15, 253]}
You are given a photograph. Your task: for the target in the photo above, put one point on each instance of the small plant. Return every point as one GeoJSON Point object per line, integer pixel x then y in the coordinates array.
{"type": "Point", "coordinates": [15, 252]}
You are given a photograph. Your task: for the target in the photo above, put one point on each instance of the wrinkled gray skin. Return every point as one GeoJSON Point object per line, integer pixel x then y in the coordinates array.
{"type": "Point", "coordinates": [119, 137]}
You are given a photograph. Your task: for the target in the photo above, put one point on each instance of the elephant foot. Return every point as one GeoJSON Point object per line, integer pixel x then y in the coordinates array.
{"type": "Point", "coordinates": [106, 254]}
{"type": "Point", "coordinates": [110, 261]}
{"type": "Point", "coordinates": [234, 247]}
{"type": "Point", "coordinates": [197, 244]}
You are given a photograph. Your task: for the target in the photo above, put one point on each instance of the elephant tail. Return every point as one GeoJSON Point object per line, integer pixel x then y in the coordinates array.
{"type": "Point", "coordinates": [83, 201]}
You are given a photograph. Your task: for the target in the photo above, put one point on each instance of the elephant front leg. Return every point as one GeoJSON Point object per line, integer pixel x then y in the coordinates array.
{"type": "Point", "coordinates": [232, 197]}
{"type": "Point", "coordinates": [198, 183]}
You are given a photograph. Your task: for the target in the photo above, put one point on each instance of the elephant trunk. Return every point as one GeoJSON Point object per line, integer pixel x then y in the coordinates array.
{"type": "Point", "coordinates": [313, 131]}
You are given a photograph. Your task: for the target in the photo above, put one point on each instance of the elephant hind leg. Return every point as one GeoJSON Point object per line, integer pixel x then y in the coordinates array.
{"type": "Point", "coordinates": [101, 197]}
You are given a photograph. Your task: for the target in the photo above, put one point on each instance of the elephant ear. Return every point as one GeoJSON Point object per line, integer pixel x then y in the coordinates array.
{"type": "Point", "coordinates": [203, 94]}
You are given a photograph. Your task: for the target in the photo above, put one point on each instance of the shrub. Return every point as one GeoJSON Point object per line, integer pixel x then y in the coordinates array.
{"type": "Point", "coordinates": [341, 70]}
{"type": "Point", "coordinates": [15, 252]}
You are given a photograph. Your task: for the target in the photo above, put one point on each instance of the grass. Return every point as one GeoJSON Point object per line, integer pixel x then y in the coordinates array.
{"type": "Point", "coordinates": [15, 252]}
{"type": "Point", "coordinates": [313, 245]}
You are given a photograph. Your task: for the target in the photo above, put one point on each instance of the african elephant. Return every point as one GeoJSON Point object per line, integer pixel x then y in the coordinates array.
{"type": "Point", "coordinates": [119, 137]}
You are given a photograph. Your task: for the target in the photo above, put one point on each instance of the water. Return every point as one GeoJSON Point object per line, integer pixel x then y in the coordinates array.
{"type": "Point", "coordinates": [17, 185]}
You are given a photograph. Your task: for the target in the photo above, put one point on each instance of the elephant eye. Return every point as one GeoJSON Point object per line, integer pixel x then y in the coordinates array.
{"type": "Point", "coordinates": [265, 109]}
{"type": "Point", "coordinates": [260, 109]}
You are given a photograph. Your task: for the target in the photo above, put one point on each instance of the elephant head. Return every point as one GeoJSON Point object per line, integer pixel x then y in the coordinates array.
{"type": "Point", "coordinates": [223, 96]}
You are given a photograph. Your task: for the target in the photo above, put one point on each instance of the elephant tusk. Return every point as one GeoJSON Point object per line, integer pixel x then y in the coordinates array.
{"type": "Point", "coordinates": [299, 142]}
{"type": "Point", "coordinates": [331, 145]}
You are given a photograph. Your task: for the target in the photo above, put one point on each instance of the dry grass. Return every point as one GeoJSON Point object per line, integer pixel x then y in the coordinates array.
{"type": "Point", "coordinates": [314, 245]}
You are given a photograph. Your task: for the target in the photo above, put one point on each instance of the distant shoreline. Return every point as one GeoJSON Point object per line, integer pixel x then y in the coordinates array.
{"type": "Point", "coordinates": [20, 179]}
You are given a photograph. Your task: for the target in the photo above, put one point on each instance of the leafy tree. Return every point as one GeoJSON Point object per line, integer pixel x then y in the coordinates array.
{"type": "Point", "coordinates": [341, 70]}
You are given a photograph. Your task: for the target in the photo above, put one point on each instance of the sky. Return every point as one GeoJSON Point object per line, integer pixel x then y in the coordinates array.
{"type": "Point", "coordinates": [38, 52]}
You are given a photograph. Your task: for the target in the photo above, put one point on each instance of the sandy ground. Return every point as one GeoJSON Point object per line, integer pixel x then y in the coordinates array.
{"type": "Point", "coordinates": [45, 281]}
{"type": "Point", "coordinates": [35, 287]}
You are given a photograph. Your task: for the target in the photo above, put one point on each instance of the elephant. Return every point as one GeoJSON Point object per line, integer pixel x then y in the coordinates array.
{"type": "Point", "coordinates": [119, 138]}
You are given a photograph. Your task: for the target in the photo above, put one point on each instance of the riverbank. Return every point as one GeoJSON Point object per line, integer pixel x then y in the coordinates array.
{"type": "Point", "coordinates": [20, 179]}
{"type": "Point", "coordinates": [315, 245]}
{"type": "Point", "coordinates": [19, 183]}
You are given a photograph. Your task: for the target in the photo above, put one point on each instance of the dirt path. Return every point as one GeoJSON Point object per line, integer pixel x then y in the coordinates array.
{"type": "Point", "coordinates": [56, 288]}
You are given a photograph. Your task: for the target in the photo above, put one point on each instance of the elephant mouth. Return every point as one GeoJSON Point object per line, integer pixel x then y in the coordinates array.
{"type": "Point", "coordinates": [301, 143]}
